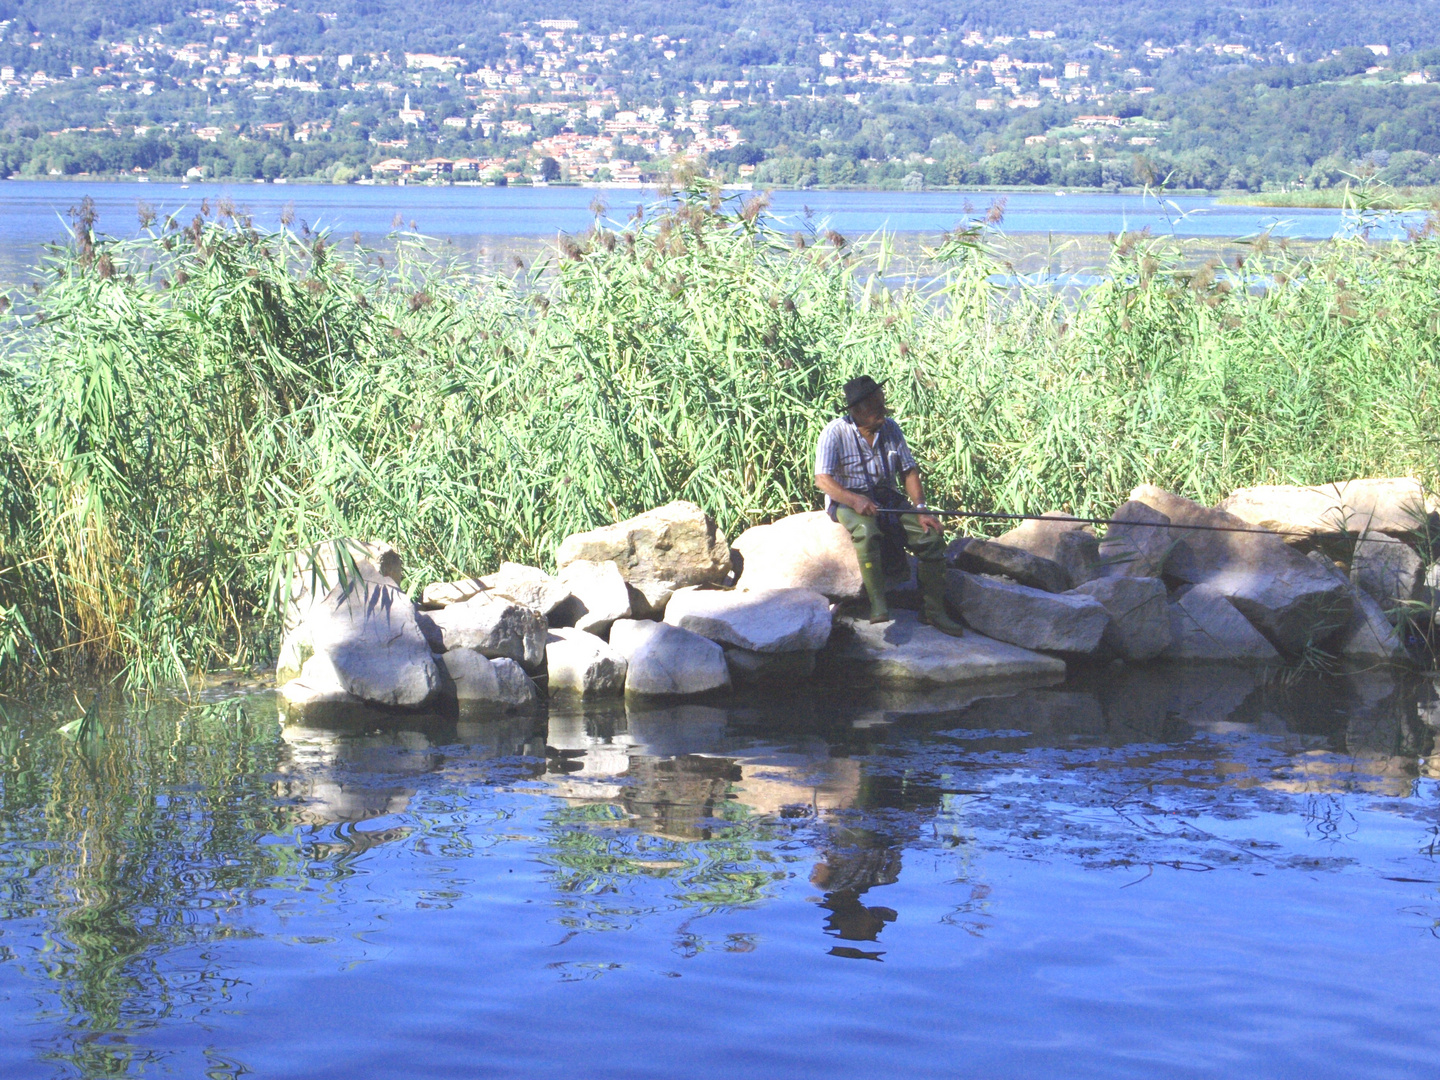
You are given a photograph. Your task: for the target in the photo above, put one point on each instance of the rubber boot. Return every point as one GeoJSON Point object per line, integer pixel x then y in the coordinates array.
{"type": "Point", "coordinates": [931, 574]}
{"type": "Point", "coordinates": [872, 572]}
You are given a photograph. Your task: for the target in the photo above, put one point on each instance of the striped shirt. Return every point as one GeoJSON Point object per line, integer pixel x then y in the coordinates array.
{"type": "Point", "coordinates": [845, 455]}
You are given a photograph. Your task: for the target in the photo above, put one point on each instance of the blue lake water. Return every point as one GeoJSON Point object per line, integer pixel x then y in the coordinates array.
{"type": "Point", "coordinates": [1166, 873]}
{"type": "Point", "coordinates": [32, 212]}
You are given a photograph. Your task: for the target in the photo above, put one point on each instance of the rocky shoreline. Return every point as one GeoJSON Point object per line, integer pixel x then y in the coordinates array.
{"type": "Point", "coordinates": [663, 606]}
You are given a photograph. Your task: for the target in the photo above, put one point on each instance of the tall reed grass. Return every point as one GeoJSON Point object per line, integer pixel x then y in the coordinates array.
{"type": "Point", "coordinates": [178, 411]}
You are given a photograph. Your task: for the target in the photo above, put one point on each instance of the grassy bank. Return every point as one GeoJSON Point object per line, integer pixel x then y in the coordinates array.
{"type": "Point", "coordinates": [180, 410]}
{"type": "Point", "coordinates": [1342, 198]}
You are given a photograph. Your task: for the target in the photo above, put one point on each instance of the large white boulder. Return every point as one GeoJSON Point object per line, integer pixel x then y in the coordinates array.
{"type": "Point", "coordinates": [314, 572]}
{"type": "Point", "coordinates": [360, 644]}
{"type": "Point", "coordinates": [1205, 625]}
{"type": "Point", "coordinates": [657, 552]}
{"type": "Point", "coordinates": [803, 551]}
{"type": "Point", "coordinates": [581, 663]}
{"type": "Point", "coordinates": [665, 660]}
{"type": "Point", "coordinates": [1393, 505]}
{"type": "Point", "coordinates": [1057, 536]}
{"type": "Point", "coordinates": [492, 626]}
{"type": "Point", "coordinates": [598, 596]}
{"type": "Point", "coordinates": [1139, 614]}
{"type": "Point", "coordinates": [439, 594]}
{"type": "Point", "coordinates": [477, 680]}
{"type": "Point", "coordinates": [906, 653]}
{"type": "Point", "coordinates": [1033, 619]}
{"type": "Point", "coordinates": [528, 585]}
{"type": "Point", "coordinates": [761, 620]}
{"type": "Point", "coordinates": [1288, 598]}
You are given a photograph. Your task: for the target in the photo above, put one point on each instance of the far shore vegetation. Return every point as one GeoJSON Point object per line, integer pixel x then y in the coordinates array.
{"type": "Point", "coordinates": [181, 410]}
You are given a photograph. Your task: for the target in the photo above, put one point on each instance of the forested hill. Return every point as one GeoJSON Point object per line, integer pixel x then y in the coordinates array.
{"type": "Point", "coordinates": [924, 92]}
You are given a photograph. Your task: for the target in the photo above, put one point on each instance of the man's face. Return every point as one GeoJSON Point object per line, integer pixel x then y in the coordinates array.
{"type": "Point", "coordinates": [870, 411]}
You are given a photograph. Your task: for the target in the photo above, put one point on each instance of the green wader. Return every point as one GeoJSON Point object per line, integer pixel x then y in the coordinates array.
{"type": "Point", "coordinates": [929, 549]}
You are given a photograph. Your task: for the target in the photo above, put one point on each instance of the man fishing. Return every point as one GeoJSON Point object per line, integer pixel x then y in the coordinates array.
{"type": "Point", "coordinates": [857, 460]}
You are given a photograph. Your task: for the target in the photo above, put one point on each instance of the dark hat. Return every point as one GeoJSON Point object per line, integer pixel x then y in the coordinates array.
{"type": "Point", "coordinates": [857, 390]}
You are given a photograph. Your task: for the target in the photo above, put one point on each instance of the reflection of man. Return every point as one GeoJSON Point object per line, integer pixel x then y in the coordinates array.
{"type": "Point", "coordinates": [857, 459]}
{"type": "Point", "coordinates": [846, 875]}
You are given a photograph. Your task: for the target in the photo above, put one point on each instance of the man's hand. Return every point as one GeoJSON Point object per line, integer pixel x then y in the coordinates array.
{"type": "Point", "coordinates": [930, 523]}
{"type": "Point", "coordinates": [863, 506]}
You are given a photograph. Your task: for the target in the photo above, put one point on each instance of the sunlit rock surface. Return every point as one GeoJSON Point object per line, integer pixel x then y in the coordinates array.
{"type": "Point", "coordinates": [904, 652]}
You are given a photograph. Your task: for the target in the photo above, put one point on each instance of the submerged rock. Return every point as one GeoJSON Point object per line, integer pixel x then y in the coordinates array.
{"type": "Point", "coordinates": [1206, 626]}
{"type": "Point", "coordinates": [803, 551]}
{"type": "Point", "coordinates": [981, 556]}
{"type": "Point", "coordinates": [1054, 622]}
{"type": "Point", "coordinates": [583, 664]}
{"type": "Point", "coordinates": [491, 625]}
{"type": "Point", "coordinates": [763, 620]}
{"type": "Point", "coordinates": [598, 596]}
{"type": "Point", "coordinates": [657, 552]}
{"type": "Point", "coordinates": [665, 660]}
{"type": "Point", "coordinates": [904, 653]}
{"type": "Point", "coordinates": [1139, 615]}
{"type": "Point", "coordinates": [363, 645]}
{"type": "Point", "coordinates": [1289, 599]}
{"type": "Point", "coordinates": [749, 668]}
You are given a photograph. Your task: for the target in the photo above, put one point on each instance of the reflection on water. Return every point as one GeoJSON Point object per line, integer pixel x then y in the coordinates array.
{"type": "Point", "coordinates": [148, 878]}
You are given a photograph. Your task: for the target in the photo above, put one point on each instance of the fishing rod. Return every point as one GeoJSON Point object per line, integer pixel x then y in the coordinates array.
{"type": "Point", "coordinates": [985, 516]}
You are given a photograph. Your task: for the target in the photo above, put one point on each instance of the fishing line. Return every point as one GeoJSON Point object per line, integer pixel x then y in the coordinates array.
{"type": "Point", "coordinates": [940, 512]}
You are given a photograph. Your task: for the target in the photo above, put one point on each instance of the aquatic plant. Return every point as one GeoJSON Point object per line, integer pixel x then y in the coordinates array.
{"type": "Point", "coordinates": [178, 411]}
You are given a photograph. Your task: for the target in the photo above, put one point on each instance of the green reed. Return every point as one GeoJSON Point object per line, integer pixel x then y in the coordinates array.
{"type": "Point", "coordinates": [179, 411]}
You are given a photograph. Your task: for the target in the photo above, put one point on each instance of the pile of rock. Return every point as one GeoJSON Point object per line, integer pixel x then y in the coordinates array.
{"type": "Point", "coordinates": [661, 605]}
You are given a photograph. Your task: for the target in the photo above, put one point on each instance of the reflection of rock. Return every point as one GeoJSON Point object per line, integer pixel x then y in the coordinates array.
{"type": "Point", "coordinates": [315, 767]}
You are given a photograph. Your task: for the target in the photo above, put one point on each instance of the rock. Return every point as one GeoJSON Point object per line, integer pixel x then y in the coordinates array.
{"type": "Point", "coordinates": [360, 644]}
{"type": "Point", "coordinates": [1396, 506]}
{"type": "Point", "coordinates": [476, 679]}
{"type": "Point", "coordinates": [1370, 636]}
{"type": "Point", "coordinates": [528, 585]}
{"type": "Point", "coordinates": [981, 556]}
{"type": "Point", "coordinates": [1289, 599]}
{"type": "Point", "coordinates": [803, 551]}
{"type": "Point", "coordinates": [439, 594]}
{"type": "Point", "coordinates": [598, 597]}
{"type": "Point", "coordinates": [1030, 618]}
{"type": "Point", "coordinates": [757, 669]}
{"type": "Point", "coordinates": [906, 653]}
{"type": "Point", "coordinates": [1204, 625]}
{"type": "Point", "coordinates": [1056, 536]}
{"type": "Point", "coordinates": [762, 620]}
{"type": "Point", "coordinates": [1390, 571]}
{"type": "Point", "coordinates": [581, 663]}
{"type": "Point", "coordinates": [657, 552]}
{"type": "Point", "coordinates": [316, 571]}
{"type": "Point", "coordinates": [664, 659]}
{"type": "Point", "coordinates": [1138, 544]}
{"type": "Point", "coordinates": [1139, 614]}
{"type": "Point", "coordinates": [491, 625]}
